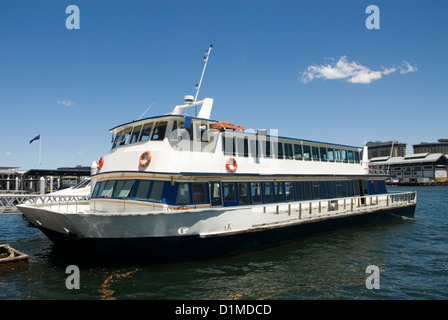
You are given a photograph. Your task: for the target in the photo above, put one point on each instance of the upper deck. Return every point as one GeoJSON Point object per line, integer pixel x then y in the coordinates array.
{"type": "Point", "coordinates": [181, 143]}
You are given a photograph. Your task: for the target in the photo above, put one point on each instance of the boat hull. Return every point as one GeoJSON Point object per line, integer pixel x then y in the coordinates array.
{"type": "Point", "coordinates": [186, 247]}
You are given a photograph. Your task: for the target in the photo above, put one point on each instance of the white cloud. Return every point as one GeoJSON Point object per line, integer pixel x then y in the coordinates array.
{"type": "Point", "coordinates": [8, 154]}
{"type": "Point", "coordinates": [408, 68]}
{"type": "Point", "coordinates": [66, 103]}
{"type": "Point", "coordinates": [351, 71]}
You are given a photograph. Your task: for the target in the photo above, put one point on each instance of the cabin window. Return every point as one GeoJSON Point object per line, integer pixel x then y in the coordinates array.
{"type": "Point", "coordinates": [307, 152]}
{"type": "Point", "coordinates": [330, 154]}
{"type": "Point", "coordinates": [215, 194]}
{"type": "Point", "coordinates": [183, 194]}
{"type": "Point", "coordinates": [351, 158]}
{"type": "Point", "coordinates": [324, 189]}
{"type": "Point", "coordinates": [337, 155]}
{"type": "Point", "coordinates": [158, 133]}
{"type": "Point", "coordinates": [323, 154]}
{"type": "Point", "coordinates": [246, 147]}
{"type": "Point", "coordinates": [228, 145]}
{"type": "Point", "coordinates": [99, 186]}
{"type": "Point", "coordinates": [239, 146]}
{"type": "Point", "coordinates": [307, 188]}
{"type": "Point", "coordinates": [298, 155]}
{"type": "Point", "coordinates": [243, 190]}
{"type": "Point", "coordinates": [256, 192]}
{"type": "Point", "coordinates": [268, 192]}
{"type": "Point", "coordinates": [345, 191]}
{"type": "Point", "coordinates": [289, 191]}
{"type": "Point", "coordinates": [199, 192]}
{"type": "Point", "coordinates": [143, 190]}
{"type": "Point", "coordinates": [338, 189]}
{"type": "Point", "coordinates": [146, 131]}
{"type": "Point", "coordinates": [278, 150]}
{"type": "Point", "coordinates": [344, 156]}
{"type": "Point", "coordinates": [288, 151]}
{"type": "Point", "coordinates": [356, 156]}
{"type": "Point", "coordinates": [123, 189]}
{"type": "Point", "coordinates": [253, 148]}
{"type": "Point", "coordinates": [331, 190]}
{"type": "Point", "coordinates": [279, 194]}
{"type": "Point", "coordinates": [298, 190]}
{"type": "Point", "coordinates": [268, 149]}
{"type": "Point", "coordinates": [156, 191]}
{"type": "Point", "coordinates": [315, 153]}
{"type": "Point", "coordinates": [107, 190]}
{"type": "Point", "coordinates": [135, 134]}
{"type": "Point", "coordinates": [229, 191]}
{"type": "Point", "coordinates": [316, 190]}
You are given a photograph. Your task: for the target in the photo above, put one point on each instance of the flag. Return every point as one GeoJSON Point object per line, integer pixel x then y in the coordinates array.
{"type": "Point", "coordinates": [36, 138]}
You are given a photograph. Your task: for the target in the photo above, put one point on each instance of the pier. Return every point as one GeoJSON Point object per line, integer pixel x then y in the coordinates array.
{"type": "Point", "coordinates": [32, 186]}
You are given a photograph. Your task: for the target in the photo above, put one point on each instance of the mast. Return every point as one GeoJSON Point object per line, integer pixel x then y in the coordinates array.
{"type": "Point", "coordinates": [198, 86]}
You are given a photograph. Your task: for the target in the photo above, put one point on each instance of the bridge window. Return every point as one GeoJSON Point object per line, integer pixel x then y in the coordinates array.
{"type": "Point", "coordinates": [159, 131]}
{"type": "Point", "coordinates": [146, 132]}
{"type": "Point", "coordinates": [135, 134]}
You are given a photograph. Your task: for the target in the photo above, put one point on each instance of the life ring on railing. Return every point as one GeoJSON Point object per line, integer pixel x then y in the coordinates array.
{"type": "Point", "coordinates": [100, 163]}
{"type": "Point", "coordinates": [143, 162]}
{"type": "Point", "coordinates": [231, 168]}
{"type": "Point", "coordinates": [184, 208]}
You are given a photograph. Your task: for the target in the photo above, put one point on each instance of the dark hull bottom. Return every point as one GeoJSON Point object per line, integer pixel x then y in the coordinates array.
{"type": "Point", "coordinates": [196, 247]}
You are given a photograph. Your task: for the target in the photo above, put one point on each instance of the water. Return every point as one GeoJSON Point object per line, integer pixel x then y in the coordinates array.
{"type": "Point", "coordinates": [411, 254]}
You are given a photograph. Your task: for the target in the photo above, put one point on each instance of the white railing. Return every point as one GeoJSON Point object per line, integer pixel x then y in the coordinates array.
{"type": "Point", "coordinates": [8, 202]}
{"type": "Point", "coordinates": [332, 207]}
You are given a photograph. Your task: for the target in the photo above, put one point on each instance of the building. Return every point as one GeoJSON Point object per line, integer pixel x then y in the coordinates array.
{"type": "Point", "coordinates": [391, 148]}
{"type": "Point", "coordinates": [432, 147]}
{"type": "Point", "coordinates": [415, 168]}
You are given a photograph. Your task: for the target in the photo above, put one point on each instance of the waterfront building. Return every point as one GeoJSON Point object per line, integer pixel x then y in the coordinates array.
{"type": "Point", "coordinates": [391, 148]}
{"type": "Point", "coordinates": [441, 146]}
{"type": "Point", "coordinates": [415, 168]}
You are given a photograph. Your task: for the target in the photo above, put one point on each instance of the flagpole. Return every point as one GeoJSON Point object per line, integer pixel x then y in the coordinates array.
{"type": "Point", "coordinates": [40, 149]}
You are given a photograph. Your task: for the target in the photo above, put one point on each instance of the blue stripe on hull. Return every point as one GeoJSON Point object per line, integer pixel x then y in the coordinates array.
{"type": "Point", "coordinates": [194, 247]}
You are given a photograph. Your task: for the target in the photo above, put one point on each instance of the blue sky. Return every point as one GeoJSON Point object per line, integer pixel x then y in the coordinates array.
{"type": "Point", "coordinates": [310, 69]}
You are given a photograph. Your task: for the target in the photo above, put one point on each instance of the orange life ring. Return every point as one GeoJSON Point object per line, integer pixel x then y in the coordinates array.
{"type": "Point", "coordinates": [231, 168]}
{"type": "Point", "coordinates": [184, 208]}
{"type": "Point", "coordinates": [145, 163]}
{"type": "Point", "coordinates": [100, 163]}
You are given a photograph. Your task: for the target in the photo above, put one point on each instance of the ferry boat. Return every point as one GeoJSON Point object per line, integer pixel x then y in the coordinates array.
{"type": "Point", "coordinates": [176, 187]}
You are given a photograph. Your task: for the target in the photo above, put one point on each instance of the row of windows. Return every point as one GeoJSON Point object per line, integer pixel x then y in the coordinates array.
{"type": "Point", "coordinates": [233, 193]}
{"type": "Point", "coordinates": [417, 168]}
{"type": "Point", "coordinates": [266, 148]}
{"type": "Point", "coordinates": [154, 131]}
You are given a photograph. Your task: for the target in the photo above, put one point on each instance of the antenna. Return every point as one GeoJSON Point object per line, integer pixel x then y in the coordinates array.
{"type": "Point", "coordinates": [146, 110]}
{"type": "Point", "coordinates": [198, 86]}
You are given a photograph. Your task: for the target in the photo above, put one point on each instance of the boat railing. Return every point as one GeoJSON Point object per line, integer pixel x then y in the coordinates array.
{"type": "Point", "coordinates": [332, 207]}
{"type": "Point", "coordinates": [10, 201]}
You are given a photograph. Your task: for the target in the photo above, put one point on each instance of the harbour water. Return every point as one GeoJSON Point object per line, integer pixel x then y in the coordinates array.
{"type": "Point", "coordinates": [411, 255]}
